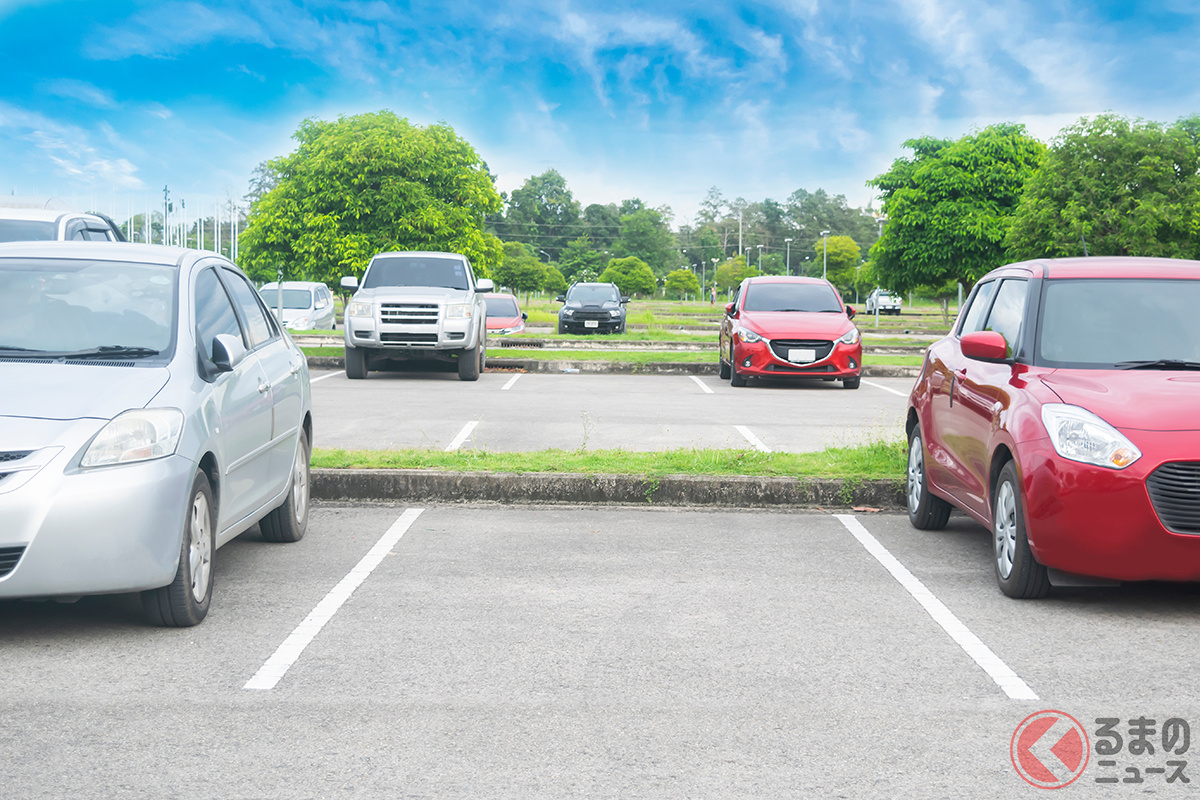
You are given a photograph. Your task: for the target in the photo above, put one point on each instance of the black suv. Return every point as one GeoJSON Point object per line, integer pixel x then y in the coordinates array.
{"type": "Point", "coordinates": [592, 307]}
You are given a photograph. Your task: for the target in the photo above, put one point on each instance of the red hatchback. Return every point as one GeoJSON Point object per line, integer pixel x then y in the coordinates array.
{"type": "Point", "coordinates": [779, 327]}
{"type": "Point", "coordinates": [1063, 413]}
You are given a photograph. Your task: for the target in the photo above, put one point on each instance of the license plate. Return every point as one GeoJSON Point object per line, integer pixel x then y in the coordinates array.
{"type": "Point", "coordinates": [591, 323]}
{"type": "Point", "coordinates": [802, 356]}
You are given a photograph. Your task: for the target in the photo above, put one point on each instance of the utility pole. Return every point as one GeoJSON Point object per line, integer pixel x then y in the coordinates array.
{"type": "Point", "coordinates": [825, 254]}
{"type": "Point", "coordinates": [166, 208]}
{"type": "Point", "coordinates": [788, 261]}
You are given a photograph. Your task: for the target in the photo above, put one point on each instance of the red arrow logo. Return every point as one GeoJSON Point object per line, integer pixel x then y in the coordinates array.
{"type": "Point", "coordinates": [1049, 749]}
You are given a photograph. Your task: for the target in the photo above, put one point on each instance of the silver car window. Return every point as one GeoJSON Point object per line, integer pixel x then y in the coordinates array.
{"type": "Point", "coordinates": [214, 311]}
{"type": "Point", "coordinates": [258, 328]}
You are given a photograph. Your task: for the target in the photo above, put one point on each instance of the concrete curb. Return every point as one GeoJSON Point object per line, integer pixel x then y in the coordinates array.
{"type": "Point", "coordinates": [414, 485]}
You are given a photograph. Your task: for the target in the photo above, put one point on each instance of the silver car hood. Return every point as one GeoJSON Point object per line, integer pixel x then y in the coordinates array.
{"type": "Point", "coordinates": [76, 391]}
{"type": "Point", "coordinates": [389, 293]}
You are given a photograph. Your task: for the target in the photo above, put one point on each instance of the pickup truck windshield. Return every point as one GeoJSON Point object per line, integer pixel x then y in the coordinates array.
{"type": "Point", "coordinates": [449, 273]}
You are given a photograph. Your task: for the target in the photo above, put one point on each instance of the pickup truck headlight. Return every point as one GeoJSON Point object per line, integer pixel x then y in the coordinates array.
{"type": "Point", "coordinates": [138, 435]}
{"type": "Point", "coordinates": [850, 337]}
{"type": "Point", "coordinates": [614, 313]}
{"type": "Point", "coordinates": [459, 311]}
{"type": "Point", "coordinates": [1079, 435]}
{"type": "Point", "coordinates": [360, 309]}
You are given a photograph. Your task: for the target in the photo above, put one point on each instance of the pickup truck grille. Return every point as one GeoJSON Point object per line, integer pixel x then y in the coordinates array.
{"type": "Point", "coordinates": [409, 313]}
{"type": "Point", "coordinates": [408, 338]}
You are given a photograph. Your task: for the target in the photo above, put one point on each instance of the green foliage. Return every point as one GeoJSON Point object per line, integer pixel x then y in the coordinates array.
{"type": "Point", "coordinates": [631, 275]}
{"type": "Point", "coordinates": [520, 270]}
{"type": "Point", "coordinates": [367, 184]}
{"type": "Point", "coordinates": [682, 281]}
{"type": "Point", "coordinates": [950, 206]}
{"type": "Point", "coordinates": [645, 234]}
{"type": "Point", "coordinates": [840, 261]}
{"type": "Point", "coordinates": [1126, 187]}
{"type": "Point", "coordinates": [543, 213]}
{"type": "Point", "coordinates": [579, 255]}
{"type": "Point", "coordinates": [553, 281]}
{"type": "Point", "coordinates": [732, 272]}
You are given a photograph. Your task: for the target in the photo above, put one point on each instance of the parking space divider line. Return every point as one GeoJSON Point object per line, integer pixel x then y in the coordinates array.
{"type": "Point", "coordinates": [510, 383]}
{"type": "Point", "coordinates": [1005, 678]}
{"type": "Point", "coordinates": [462, 436]}
{"type": "Point", "coordinates": [275, 667]}
{"type": "Point", "coordinates": [886, 388]}
{"type": "Point", "coordinates": [311, 381]}
{"type": "Point", "coordinates": [752, 439]}
{"type": "Point", "coordinates": [701, 384]}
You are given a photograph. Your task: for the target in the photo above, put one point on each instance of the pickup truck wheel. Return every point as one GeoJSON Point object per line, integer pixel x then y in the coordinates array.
{"type": "Point", "coordinates": [356, 363]}
{"type": "Point", "coordinates": [468, 364]}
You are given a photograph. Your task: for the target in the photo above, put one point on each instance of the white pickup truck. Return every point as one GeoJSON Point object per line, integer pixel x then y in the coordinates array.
{"type": "Point", "coordinates": [416, 306]}
{"type": "Point", "coordinates": [883, 302]}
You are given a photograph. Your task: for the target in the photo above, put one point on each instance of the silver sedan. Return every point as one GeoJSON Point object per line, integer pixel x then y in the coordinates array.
{"type": "Point", "coordinates": [151, 411]}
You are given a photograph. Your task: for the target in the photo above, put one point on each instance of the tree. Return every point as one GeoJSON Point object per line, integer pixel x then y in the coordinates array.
{"type": "Point", "coordinates": [813, 212]}
{"type": "Point", "coordinates": [543, 213]}
{"type": "Point", "coordinates": [367, 184]}
{"type": "Point", "coordinates": [603, 224]}
{"type": "Point", "coordinates": [1122, 187]}
{"type": "Point", "coordinates": [553, 280]}
{"type": "Point", "coordinates": [578, 255]}
{"type": "Point", "coordinates": [839, 262]}
{"type": "Point", "coordinates": [645, 235]}
{"type": "Point", "coordinates": [520, 269]}
{"type": "Point", "coordinates": [733, 272]}
{"type": "Point", "coordinates": [950, 206]}
{"type": "Point", "coordinates": [682, 281]}
{"type": "Point", "coordinates": [631, 275]}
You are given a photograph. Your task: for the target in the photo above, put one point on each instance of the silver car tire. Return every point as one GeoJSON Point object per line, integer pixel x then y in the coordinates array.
{"type": "Point", "coordinates": [289, 521]}
{"type": "Point", "coordinates": [185, 600]}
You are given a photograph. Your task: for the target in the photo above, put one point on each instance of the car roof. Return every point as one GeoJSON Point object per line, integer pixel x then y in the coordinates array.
{"type": "Point", "coordinates": [105, 251]}
{"type": "Point", "coordinates": [423, 253]}
{"type": "Point", "coordinates": [43, 214]}
{"type": "Point", "coordinates": [1105, 267]}
{"type": "Point", "coordinates": [294, 284]}
{"type": "Point", "coordinates": [501, 294]}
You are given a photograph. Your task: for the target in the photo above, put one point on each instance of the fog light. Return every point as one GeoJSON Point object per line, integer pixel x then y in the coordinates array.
{"type": "Point", "coordinates": [853, 364]}
{"type": "Point", "coordinates": [746, 362]}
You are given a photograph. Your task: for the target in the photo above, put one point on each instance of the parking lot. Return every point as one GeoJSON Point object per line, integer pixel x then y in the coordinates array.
{"type": "Point", "coordinates": [507, 651]}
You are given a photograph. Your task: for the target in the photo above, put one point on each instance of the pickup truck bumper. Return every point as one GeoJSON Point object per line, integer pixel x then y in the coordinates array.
{"type": "Point", "coordinates": [402, 328]}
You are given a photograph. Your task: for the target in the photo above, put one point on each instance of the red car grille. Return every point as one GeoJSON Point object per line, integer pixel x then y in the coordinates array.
{"type": "Point", "coordinates": [780, 347]}
{"type": "Point", "coordinates": [1175, 492]}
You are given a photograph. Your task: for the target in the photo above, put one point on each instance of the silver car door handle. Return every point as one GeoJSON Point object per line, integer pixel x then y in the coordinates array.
{"type": "Point", "coordinates": [296, 368]}
{"type": "Point", "coordinates": [264, 387]}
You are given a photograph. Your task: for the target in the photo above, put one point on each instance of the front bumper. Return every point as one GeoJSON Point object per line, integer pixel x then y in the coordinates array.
{"type": "Point", "coordinates": [113, 529]}
{"type": "Point", "coordinates": [1102, 522]}
{"type": "Point", "coordinates": [761, 359]}
{"type": "Point", "coordinates": [592, 324]}
{"type": "Point", "coordinates": [397, 337]}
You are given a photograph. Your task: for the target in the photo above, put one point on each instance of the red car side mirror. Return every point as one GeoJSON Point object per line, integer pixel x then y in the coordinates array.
{"type": "Point", "coordinates": [729, 309]}
{"type": "Point", "coordinates": [850, 312]}
{"type": "Point", "coordinates": [985, 346]}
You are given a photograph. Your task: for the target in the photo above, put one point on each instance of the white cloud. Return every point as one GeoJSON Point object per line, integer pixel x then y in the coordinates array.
{"type": "Point", "coordinates": [80, 90]}
{"type": "Point", "coordinates": [68, 148]}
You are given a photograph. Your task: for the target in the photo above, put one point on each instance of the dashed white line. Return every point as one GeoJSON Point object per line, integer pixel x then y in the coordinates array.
{"type": "Point", "coordinates": [752, 439]}
{"type": "Point", "coordinates": [462, 436]}
{"type": "Point", "coordinates": [275, 667]}
{"type": "Point", "coordinates": [510, 383]}
{"type": "Point", "coordinates": [702, 384]}
{"type": "Point", "coordinates": [886, 388]}
{"type": "Point", "coordinates": [999, 672]}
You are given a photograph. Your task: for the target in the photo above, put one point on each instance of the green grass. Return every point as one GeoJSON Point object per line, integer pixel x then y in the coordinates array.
{"type": "Point", "coordinates": [623, 356]}
{"type": "Point", "coordinates": [893, 361]}
{"type": "Point", "coordinates": [879, 460]}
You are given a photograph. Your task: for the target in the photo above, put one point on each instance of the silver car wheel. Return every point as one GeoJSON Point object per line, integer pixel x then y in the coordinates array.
{"type": "Point", "coordinates": [916, 474]}
{"type": "Point", "coordinates": [200, 547]}
{"type": "Point", "coordinates": [1005, 526]}
{"type": "Point", "coordinates": [300, 483]}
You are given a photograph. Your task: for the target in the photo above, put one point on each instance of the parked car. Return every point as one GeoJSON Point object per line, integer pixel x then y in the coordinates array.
{"type": "Point", "coordinates": [152, 410]}
{"type": "Point", "coordinates": [592, 308]}
{"type": "Point", "coordinates": [883, 302]}
{"type": "Point", "coordinates": [1061, 413]}
{"type": "Point", "coordinates": [307, 305]}
{"type": "Point", "coordinates": [504, 316]}
{"type": "Point", "coordinates": [416, 306]}
{"type": "Point", "coordinates": [45, 225]}
{"type": "Point", "coordinates": [789, 327]}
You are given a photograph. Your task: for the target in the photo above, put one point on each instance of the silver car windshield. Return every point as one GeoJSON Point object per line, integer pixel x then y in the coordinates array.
{"type": "Point", "coordinates": [293, 299]}
{"type": "Point", "coordinates": [448, 273]}
{"type": "Point", "coordinates": [1106, 324]}
{"type": "Point", "coordinates": [86, 308]}
{"type": "Point", "coordinates": [27, 230]}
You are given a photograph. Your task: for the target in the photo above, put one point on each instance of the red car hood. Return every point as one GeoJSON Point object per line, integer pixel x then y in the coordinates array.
{"type": "Point", "coordinates": [499, 323]}
{"type": "Point", "coordinates": [797, 324]}
{"type": "Point", "coordinates": [1148, 400]}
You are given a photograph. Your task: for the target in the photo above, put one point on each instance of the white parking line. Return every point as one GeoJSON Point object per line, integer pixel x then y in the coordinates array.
{"type": "Point", "coordinates": [752, 439]}
{"type": "Point", "coordinates": [999, 672]}
{"type": "Point", "coordinates": [886, 388]}
{"type": "Point", "coordinates": [275, 667]}
{"type": "Point", "coordinates": [510, 383]}
{"type": "Point", "coordinates": [462, 436]}
{"type": "Point", "coordinates": [311, 381]}
{"type": "Point", "coordinates": [702, 385]}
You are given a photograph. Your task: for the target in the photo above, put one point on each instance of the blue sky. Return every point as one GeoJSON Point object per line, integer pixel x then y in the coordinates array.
{"type": "Point", "coordinates": [106, 102]}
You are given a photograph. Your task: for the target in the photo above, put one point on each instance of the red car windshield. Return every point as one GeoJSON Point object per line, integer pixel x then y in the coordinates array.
{"type": "Point", "coordinates": [1102, 324]}
{"type": "Point", "coordinates": [790, 297]}
{"type": "Point", "coordinates": [501, 307]}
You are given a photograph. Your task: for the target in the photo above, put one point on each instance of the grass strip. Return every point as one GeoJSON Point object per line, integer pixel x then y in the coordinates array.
{"type": "Point", "coordinates": [617, 356]}
{"type": "Point", "coordinates": [875, 461]}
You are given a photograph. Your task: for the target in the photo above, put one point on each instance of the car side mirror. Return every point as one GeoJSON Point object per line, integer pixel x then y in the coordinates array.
{"type": "Point", "coordinates": [524, 316]}
{"type": "Point", "coordinates": [227, 352]}
{"type": "Point", "coordinates": [562, 298]}
{"type": "Point", "coordinates": [850, 312]}
{"type": "Point", "coordinates": [350, 282]}
{"type": "Point", "coordinates": [485, 285]}
{"type": "Point", "coordinates": [985, 346]}
{"type": "Point", "coordinates": [625, 299]}
{"type": "Point", "coordinates": [729, 310]}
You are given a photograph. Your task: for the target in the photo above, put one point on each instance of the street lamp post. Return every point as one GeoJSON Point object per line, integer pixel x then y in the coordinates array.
{"type": "Point", "coordinates": [788, 258]}
{"type": "Point", "coordinates": [760, 247]}
{"type": "Point", "coordinates": [825, 254]}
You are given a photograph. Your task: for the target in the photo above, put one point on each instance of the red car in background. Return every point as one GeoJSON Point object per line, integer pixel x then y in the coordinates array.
{"type": "Point", "coordinates": [503, 315]}
{"type": "Point", "coordinates": [1063, 413]}
{"type": "Point", "coordinates": [789, 327]}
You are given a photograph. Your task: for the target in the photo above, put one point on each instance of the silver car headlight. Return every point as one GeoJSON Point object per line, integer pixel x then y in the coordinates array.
{"type": "Point", "coordinates": [360, 309]}
{"type": "Point", "coordinates": [459, 311]}
{"type": "Point", "coordinates": [1079, 435]}
{"type": "Point", "coordinates": [138, 435]}
{"type": "Point", "coordinates": [749, 336]}
{"type": "Point", "coordinates": [850, 337]}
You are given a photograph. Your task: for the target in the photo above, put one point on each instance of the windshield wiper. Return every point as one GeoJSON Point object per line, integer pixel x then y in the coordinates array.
{"type": "Point", "coordinates": [1162, 363]}
{"type": "Point", "coordinates": [7, 348]}
{"type": "Point", "coordinates": [108, 350]}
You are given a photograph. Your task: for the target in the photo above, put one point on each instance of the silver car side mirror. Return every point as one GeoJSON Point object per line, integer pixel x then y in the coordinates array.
{"type": "Point", "coordinates": [227, 352]}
